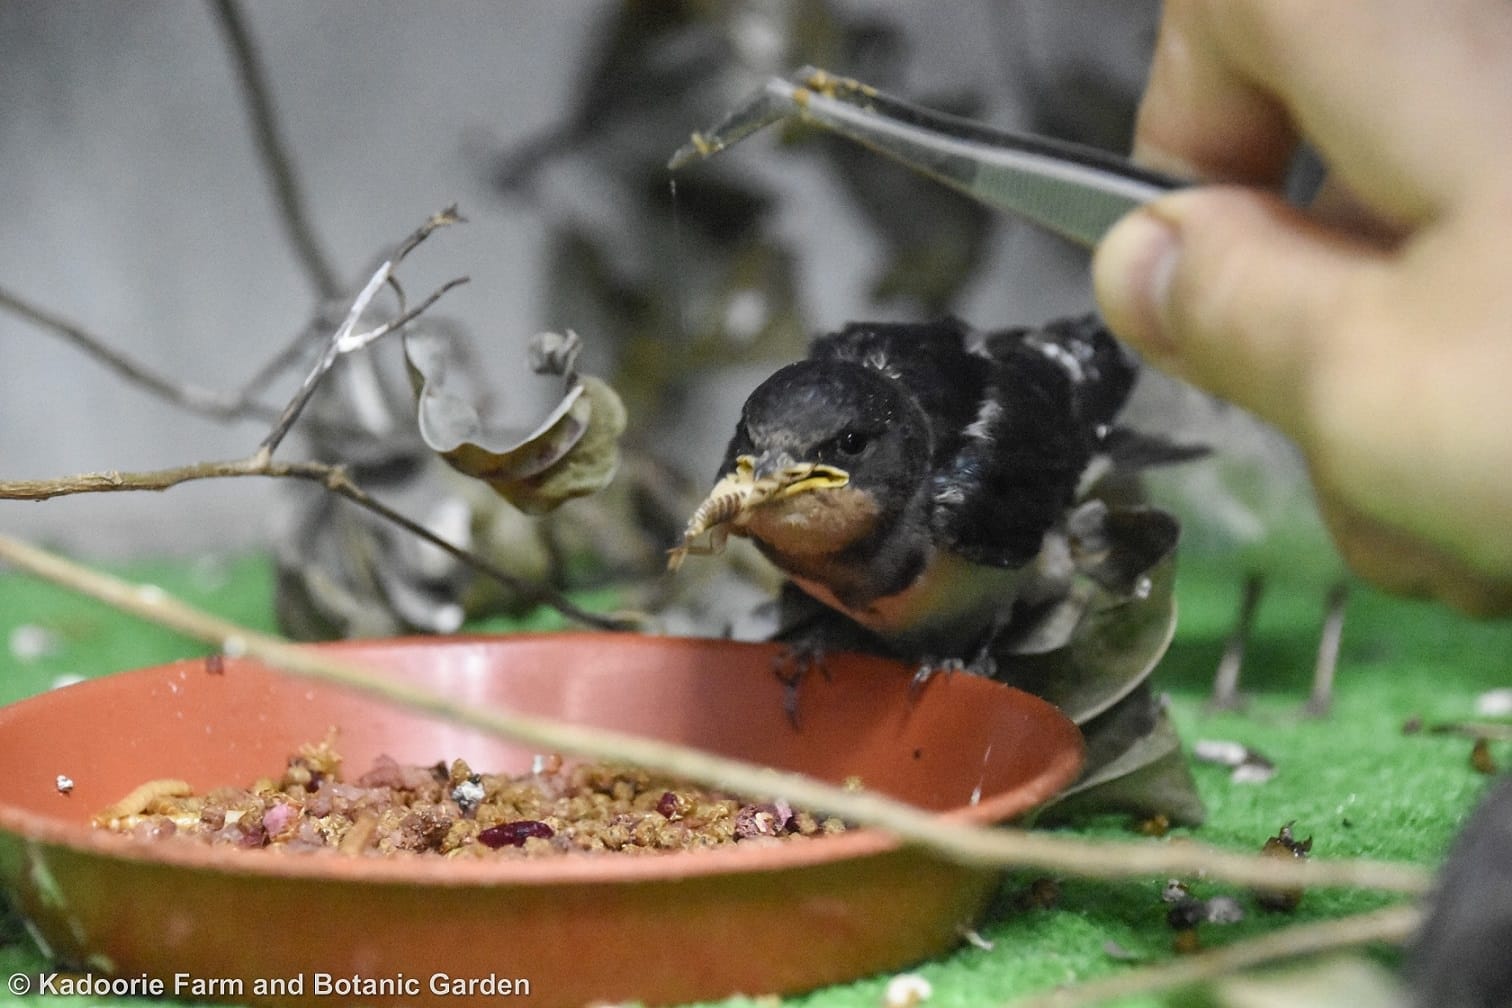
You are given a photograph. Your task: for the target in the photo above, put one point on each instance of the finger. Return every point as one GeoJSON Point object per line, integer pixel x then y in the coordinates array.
{"type": "Point", "coordinates": [1204, 118]}
{"type": "Point", "coordinates": [1235, 81]}
{"type": "Point", "coordinates": [1407, 566]}
{"type": "Point", "coordinates": [1233, 290]}
{"type": "Point", "coordinates": [1335, 206]}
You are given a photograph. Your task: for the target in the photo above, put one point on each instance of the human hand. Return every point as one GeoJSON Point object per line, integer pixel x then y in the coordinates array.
{"type": "Point", "coordinates": [1374, 327]}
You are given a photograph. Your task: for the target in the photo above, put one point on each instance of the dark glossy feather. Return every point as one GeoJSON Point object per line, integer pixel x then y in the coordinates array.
{"type": "Point", "coordinates": [1016, 417]}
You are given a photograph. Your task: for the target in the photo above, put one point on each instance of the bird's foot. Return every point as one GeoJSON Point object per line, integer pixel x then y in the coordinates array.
{"type": "Point", "coordinates": [793, 665]}
{"type": "Point", "coordinates": [928, 669]}
{"type": "Point", "coordinates": [982, 664]}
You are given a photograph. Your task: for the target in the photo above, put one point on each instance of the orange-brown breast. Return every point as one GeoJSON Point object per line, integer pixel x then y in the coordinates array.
{"type": "Point", "coordinates": [813, 523]}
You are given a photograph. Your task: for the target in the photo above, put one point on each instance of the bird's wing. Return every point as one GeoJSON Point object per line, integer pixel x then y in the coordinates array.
{"type": "Point", "coordinates": [1052, 396]}
{"type": "Point", "coordinates": [1101, 371]}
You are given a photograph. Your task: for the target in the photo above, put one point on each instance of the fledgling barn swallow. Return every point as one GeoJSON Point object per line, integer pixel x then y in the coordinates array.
{"type": "Point", "coordinates": [924, 480]}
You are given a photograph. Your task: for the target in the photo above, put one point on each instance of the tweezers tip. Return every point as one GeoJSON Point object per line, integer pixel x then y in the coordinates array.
{"type": "Point", "coordinates": [774, 102]}
{"type": "Point", "coordinates": [697, 148]}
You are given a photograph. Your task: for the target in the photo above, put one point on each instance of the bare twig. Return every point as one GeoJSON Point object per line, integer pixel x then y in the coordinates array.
{"type": "Point", "coordinates": [538, 594]}
{"type": "Point", "coordinates": [291, 353]}
{"type": "Point", "coordinates": [436, 222]}
{"type": "Point", "coordinates": [219, 406]}
{"type": "Point", "coordinates": [156, 479]}
{"type": "Point", "coordinates": [356, 341]}
{"type": "Point", "coordinates": [1393, 924]}
{"type": "Point", "coordinates": [334, 479]}
{"type": "Point", "coordinates": [345, 339]}
{"type": "Point", "coordinates": [203, 401]}
{"type": "Point", "coordinates": [959, 842]}
{"type": "Point", "coordinates": [328, 357]}
{"type": "Point", "coordinates": [1321, 700]}
{"type": "Point", "coordinates": [270, 146]}
{"type": "Point", "coordinates": [278, 164]}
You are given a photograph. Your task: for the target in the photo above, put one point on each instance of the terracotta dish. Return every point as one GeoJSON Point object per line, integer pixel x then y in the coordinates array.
{"type": "Point", "coordinates": [285, 928]}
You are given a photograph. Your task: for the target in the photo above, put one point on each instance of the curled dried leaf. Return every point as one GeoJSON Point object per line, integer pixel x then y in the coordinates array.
{"type": "Point", "coordinates": [586, 467]}
{"type": "Point", "coordinates": [536, 458]}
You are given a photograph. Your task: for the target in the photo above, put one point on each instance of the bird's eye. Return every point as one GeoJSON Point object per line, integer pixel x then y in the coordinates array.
{"type": "Point", "coordinates": [852, 442]}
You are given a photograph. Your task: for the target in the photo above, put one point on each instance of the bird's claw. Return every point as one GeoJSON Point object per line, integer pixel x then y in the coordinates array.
{"type": "Point", "coordinates": [791, 666]}
{"type": "Point", "coordinates": [927, 670]}
{"type": "Point", "coordinates": [981, 665]}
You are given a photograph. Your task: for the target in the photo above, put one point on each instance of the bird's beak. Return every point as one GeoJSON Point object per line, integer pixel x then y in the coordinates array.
{"type": "Point", "coordinates": [777, 476]}
{"type": "Point", "coordinates": [754, 483]}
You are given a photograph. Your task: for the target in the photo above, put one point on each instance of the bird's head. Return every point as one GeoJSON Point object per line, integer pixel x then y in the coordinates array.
{"type": "Point", "coordinates": [826, 453]}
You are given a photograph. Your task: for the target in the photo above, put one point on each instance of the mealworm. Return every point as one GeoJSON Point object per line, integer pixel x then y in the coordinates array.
{"type": "Point", "coordinates": [718, 533]}
{"type": "Point", "coordinates": [142, 796]}
{"type": "Point", "coordinates": [715, 511]}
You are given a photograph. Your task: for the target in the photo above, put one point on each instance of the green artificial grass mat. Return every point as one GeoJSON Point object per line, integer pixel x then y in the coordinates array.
{"type": "Point", "coordinates": [1355, 782]}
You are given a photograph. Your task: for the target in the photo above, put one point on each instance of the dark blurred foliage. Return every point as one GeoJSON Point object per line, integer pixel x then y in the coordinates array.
{"type": "Point", "coordinates": [674, 276]}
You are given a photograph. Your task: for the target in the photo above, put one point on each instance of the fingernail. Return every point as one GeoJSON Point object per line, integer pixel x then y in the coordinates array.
{"type": "Point", "coordinates": [1132, 274]}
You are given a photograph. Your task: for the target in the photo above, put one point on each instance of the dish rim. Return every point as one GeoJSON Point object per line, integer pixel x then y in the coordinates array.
{"type": "Point", "coordinates": [33, 828]}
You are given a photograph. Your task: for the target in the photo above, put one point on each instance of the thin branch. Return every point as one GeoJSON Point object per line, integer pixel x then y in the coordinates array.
{"type": "Point", "coordinates": [270, 147]}
{"type": "Point", "coordinates": [219, 406]}
{"type": "Point", "coordinates": [156, 479]}
{"type": "Point", "coordinates": [956, 841]}
{"type": "Point", "coordinates": [339, 482]}
{"type": "Point", "coordinates": [437, 221]}
{"type": "Point", "coordinates": [357, 341]}
{"type": "Point", "coordinates": [291, 353]}
{"type": "Point", "coordinates": [343, 340]}
{"type": "Point", "coordinates": [1393, 924]}
{"type": "Point", "coordinates": [334, 479]}
{"type": "Point", "coordinates": [279, 166]}
{"type": "Point", "coordinates": [323, 365]}
{"type": "Point", "coordinates": [215, 405]}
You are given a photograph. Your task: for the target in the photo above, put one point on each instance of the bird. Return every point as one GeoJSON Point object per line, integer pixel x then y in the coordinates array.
{"type": "Point", "coordinates": [932, 484]}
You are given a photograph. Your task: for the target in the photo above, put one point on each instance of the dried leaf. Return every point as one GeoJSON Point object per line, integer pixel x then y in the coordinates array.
{"type": "Point", "coordinates": [1120, 616]}
{"type": "Point", "coordinates": [1116, 643]}
{"type": "Point", "coordinates": [1134, 765]}
{"type": "Point", "coordinates": [587, 467]}
{"type": "Point", "coordinates": [534, 458]}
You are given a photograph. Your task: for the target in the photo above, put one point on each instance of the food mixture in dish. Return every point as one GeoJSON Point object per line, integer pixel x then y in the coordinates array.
{"type": "Point", "coordinates": [453, 811]}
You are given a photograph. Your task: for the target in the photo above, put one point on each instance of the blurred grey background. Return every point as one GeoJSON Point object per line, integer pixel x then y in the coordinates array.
{"type": "Point", "coordinates": [136, 205]}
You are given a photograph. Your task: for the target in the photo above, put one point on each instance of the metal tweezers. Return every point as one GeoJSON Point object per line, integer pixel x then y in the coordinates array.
{"type": "Point", "coordinates": [1075, 191]}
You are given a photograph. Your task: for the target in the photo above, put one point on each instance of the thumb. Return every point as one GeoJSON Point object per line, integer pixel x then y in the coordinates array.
{"type": "Point", "coordinates": [1233, 290]}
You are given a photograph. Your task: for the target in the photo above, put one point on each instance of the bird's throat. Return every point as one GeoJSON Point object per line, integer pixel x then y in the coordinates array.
{"type": "Point", "coordinates": [812, 524]}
